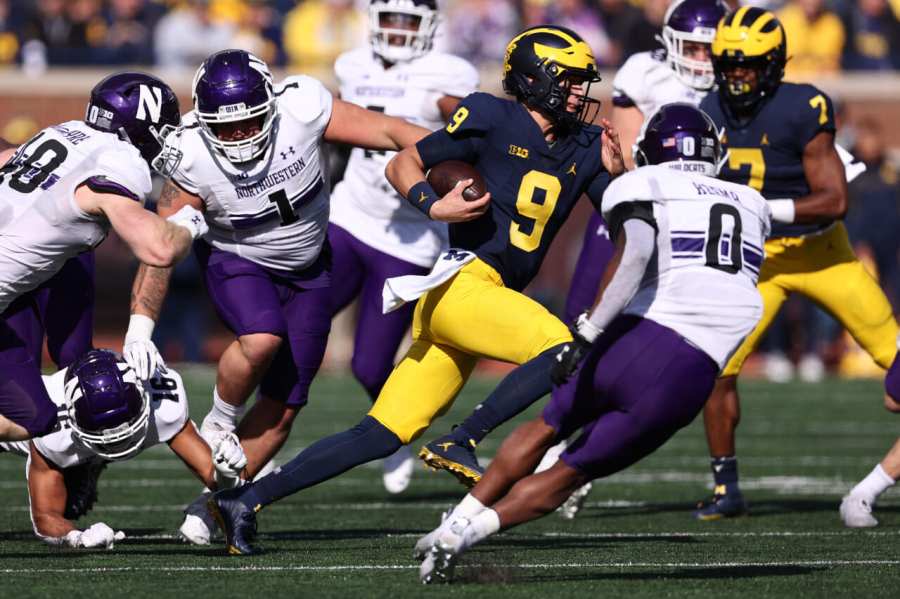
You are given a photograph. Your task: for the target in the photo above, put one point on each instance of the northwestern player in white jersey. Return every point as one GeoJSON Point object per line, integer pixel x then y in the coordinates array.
{"type": "Point", "coordinates": [678, 297]}
{"type": "Point", "coordinates": [374, 232]}
{"type": "Point", "coordinates": [60, 194]}
{"type": "Point", "coordinates": [106, 415]}
{"type": "Point", "coordinates": [253, 162]}
{"type": "Point", "coordinates": [680, 72]}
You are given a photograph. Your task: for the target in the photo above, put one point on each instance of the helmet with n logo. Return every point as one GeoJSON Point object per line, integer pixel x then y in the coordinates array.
{"type": "Point", "coordinates": [141, 110]}
{"type": "Point", "coordinates": [541, 66]}
{"type": "Point", "coordinates": [748, 39]}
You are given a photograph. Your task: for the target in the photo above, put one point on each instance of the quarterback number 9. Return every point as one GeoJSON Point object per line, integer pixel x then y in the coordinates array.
{"type": "Point", "coordinates": [529, 208]}
{"type": "Point", "coordinates": [457, 119]}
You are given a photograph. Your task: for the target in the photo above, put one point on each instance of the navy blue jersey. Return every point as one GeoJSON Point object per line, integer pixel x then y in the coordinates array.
{"type": "Point", "coordinates": [766, 153]}
{"type": "Point", "coordinates": [533, 185]}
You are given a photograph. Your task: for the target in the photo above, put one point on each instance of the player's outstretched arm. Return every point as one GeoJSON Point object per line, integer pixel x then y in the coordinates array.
{"type": "Point", "coordinates": [47, 493]}
{"type": "Point", "coordinates": [217, 466]}
{"type": "Point", "coordinates": [353, 125]}
{"type": "Point", "coordinates": [148, 292]}
{"type": "Point", "coordinates": [824, 171]}
{"type": "Point", "coordinates": [47, 496]}
{"type": "Point", "coordinates": [155, 241]}
{"type": "Point", "coordinates": [406, 172]}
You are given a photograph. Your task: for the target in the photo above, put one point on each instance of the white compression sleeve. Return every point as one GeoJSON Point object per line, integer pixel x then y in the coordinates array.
{"type": "Point", "coordinates": [640, 243]}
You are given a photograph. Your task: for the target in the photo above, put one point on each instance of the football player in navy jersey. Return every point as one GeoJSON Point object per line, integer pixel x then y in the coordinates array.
{"type": "Point", "coordinates": [780, 141]}
{"type": "Point", "coordinates": [538, 155]}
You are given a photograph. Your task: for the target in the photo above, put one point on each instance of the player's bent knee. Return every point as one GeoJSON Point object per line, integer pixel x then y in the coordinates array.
{"type": "Point", "coordinates": [891, 404]}
{"type": "Point", "coordinates": [404, 434]}
{"type": "Point", "coordinates": [259, 348]}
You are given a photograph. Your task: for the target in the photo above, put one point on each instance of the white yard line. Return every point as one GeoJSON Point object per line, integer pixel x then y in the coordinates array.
{"type": "Point", "coordinates": [535, 566]}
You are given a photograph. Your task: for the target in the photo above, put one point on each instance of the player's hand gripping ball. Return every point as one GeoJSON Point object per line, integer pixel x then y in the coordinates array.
{"type": "Point", "coordinates": [444, 176]}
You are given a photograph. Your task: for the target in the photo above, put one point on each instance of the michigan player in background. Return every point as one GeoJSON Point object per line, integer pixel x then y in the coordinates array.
{"type": "Point", "coordinates": [780, 141]}
{"type": "Point", "coordinates": [678, 297]}
{"type": "Point", "coordinates": [106, 415]}
{"type": "Point", "coordinates": [374, 232]}
{"type": "Point", "coordinates": [253, 162]}
{"type": "Point", "coordinates": [538, 155]}
{"type": "Point", "coordinates": [60, 194]}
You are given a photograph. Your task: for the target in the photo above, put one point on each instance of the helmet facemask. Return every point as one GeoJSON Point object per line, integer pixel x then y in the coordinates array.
{"type": "Point", "coordinates": [694, 73]}
{"type": "Point", "coordinates": [413, 25]}
{"type": "Point", "coordinates": [108, 411]}
{"type": "Point", "coordinates": [230, 108]}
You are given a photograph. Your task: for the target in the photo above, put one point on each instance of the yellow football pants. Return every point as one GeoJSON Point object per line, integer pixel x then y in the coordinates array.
{"type": "Point", "coordinates": [824, 268]}
{"type": "Point", "coordinates": [471, 316]}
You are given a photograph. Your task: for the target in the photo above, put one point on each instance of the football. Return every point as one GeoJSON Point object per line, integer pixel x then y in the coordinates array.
{"type": "Point", "coordinates": [443, 176]}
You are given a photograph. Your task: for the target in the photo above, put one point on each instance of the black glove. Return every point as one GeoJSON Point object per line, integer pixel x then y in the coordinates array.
{"type": "Point", "coordinates": [569, 358]}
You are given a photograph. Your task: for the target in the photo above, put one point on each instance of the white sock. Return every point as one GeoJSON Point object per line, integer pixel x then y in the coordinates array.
{"type": "Point", "coordinates": [468, 508]}
{"type": "Point", "coordinates": [225, 413]}
{"type": "Point", "coordinates": [873, 485]}
{"type": "Point", "coordinates": [482, 526]}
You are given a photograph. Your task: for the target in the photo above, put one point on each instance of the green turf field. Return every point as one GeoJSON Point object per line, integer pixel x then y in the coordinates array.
{"type": "Point", "coordinates": [801, 448]}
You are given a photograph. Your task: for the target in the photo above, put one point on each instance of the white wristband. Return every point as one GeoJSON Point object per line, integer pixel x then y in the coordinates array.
{"type": "Point", "coordinates": [587, 329]}
{"type": "Point", "coordinates": [782, 210]}
{"type": "Point", "coordinates": [139, 327]}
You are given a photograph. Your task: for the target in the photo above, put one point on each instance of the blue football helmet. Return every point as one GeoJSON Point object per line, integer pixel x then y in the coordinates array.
{"type": "Point", "coordinates": [141, 110]}
{"type": "Point", "coordinates": [691, 21]}
{"type": "Point", "coordinates": [682, 136]}
{"type": "Point", "coordinates": [412, 23]}
{"type": "Point", "coordinates": [108, 411]}
{"type": "Point", "coordinates": [232, 86]}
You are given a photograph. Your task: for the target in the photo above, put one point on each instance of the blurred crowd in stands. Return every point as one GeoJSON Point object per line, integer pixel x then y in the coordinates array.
{"type": "Point", "coordinates": [824, 36]}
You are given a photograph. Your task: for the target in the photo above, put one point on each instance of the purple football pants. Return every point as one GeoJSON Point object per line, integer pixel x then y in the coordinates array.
{"type": "Point", "coordinates": [360, 271]}
{"type": "Point", "coordinates": [295, 306]}
{"type": "Point", "coordinates": [638, 386]}
{"type": "Point", "coordinates": [596, 252]}
{"type": "Point", "coordinates": [63, 309]}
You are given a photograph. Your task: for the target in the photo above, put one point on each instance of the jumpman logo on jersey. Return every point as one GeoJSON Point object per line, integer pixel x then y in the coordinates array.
{"type": "Point", "coordinates": [765, 140]}
{"type": "Point", "coordinates": [571, 170]}
{"type": "Point", "coordinates": [284, 155]}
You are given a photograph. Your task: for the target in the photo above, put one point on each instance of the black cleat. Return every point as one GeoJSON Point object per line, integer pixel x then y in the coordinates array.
{"type": "Point", "coordinates": [447, 454]}
{"type": "Point", "coordinates": [236, 520]}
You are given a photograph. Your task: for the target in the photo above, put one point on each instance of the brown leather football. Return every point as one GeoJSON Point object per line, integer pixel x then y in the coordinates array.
{"type": "Point", "coordinates": [444, 175]}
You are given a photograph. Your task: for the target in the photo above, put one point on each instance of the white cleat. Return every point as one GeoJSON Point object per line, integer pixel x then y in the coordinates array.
{"type": "Point", "coordinates": [424, 544]}
{"type": "Point", "coordinates": [441, 559]}
{"type": "Point", "coordinates": [398, 470]}
{"type": "Point", "coordinates": [571, 506]}
{"type": "Point", "coordinates": [856, 512]}
{"type": "Point", "coordinates": [194, 531]}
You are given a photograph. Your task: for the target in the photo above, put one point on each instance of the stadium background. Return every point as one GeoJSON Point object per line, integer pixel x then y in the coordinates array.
{"type": "Point", "coordinates": [53, 51]}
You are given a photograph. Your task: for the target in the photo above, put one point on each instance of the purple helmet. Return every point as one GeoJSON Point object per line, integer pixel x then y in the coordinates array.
{"type": "Point", "coordinates": [141, 110]}
{"type": "Point", "coordinates": [692, 21]}
{"type": "Point", "coordinates": [232, 86]}
{"type": "Point", "coordinates": [412, 22]}
{"type": "Point", "coordinates": [108, 410]}
{"type": "Point", "coordinates": [682, 135]}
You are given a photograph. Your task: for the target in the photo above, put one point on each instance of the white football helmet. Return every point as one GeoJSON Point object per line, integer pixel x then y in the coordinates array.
{"type": "Point", "coordinates": [410, 22]}
{"type": "Point", "coordinates": [691, 21]}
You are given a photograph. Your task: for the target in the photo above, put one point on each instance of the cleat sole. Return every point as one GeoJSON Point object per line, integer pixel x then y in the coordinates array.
{"type": "Point", "coordinates": [463, 474]}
